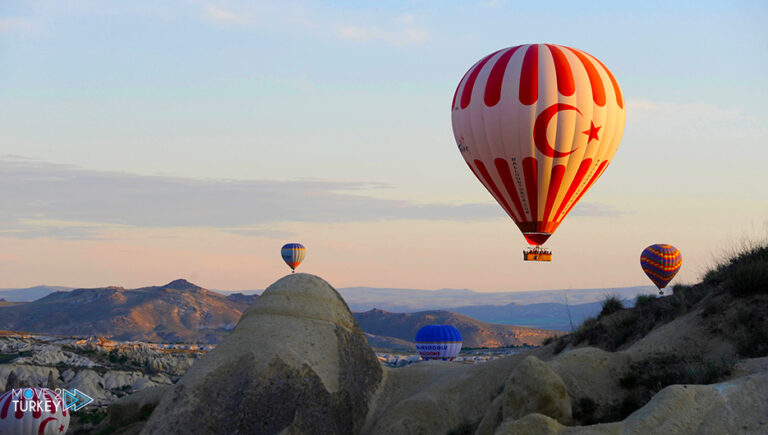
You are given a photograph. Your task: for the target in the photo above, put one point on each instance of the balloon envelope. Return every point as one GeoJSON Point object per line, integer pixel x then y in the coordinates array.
{"type": "Point", "coordinates": [661, 262]}
{"type": "Point", "coordinates": [438, 342]}
{"type": "Point", "coordinates": [293, 254]}
{"type": "Point", "coordinates": [26, 411]}
{"type": "Point", "coordinates": [538, 125]}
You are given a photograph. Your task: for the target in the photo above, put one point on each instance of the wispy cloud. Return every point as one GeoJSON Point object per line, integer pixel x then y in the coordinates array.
{"type": "Point", "coordinates": [39, 199]}
{"type": "Point", "coordinates": [9, 25]}
{"type": "Point", "coordinates": [219, 15]}
{"type": "Point", "coordinates": [356, 26]}
{"type": "Point", "coordinates": [401, 31]}
{"type": "Point", "coordinates": [32, 192]}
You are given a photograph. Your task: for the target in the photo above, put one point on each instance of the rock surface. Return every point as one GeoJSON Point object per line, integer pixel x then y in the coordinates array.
{"type": "Point", "coordinates": [593, 373]}
{"type": "Point", "coordinates": [296, 362]}
{"type": "Point", "coordinates": [532, 387]}
{"type": "Point", "coordinates": [738, 406]}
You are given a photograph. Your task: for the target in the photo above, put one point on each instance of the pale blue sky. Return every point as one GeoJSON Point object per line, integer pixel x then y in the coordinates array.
{"type": "Point", "coordinates": [353, 99]}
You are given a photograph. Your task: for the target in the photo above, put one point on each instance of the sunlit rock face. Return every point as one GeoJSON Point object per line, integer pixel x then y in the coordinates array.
{"type": "Point", "coordinates": [296, 362]}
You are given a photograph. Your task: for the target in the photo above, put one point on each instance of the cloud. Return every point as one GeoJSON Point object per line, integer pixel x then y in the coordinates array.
{"type": "Point", "coordinates": [291, 17]}
{"type": "Point", "coordinates": [403, 31]}
{"type": "Point", "coordinates": [8, 25]}
{"type": "Point", "coordinates": [34, 191]}
{"type": "Point", "coordinates": [219, 15]}
{"type": "Point", "coordinates": [39, 199]}
{"type": "Point", "coordinates": [264, 233]}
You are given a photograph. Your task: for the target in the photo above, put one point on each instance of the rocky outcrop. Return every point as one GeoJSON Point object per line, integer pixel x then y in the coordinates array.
{"type": "Point", "coordinates": [592, 373]}
{"type": "Point", "coordinates": [26, 374]}
{"type": "Point", "coordinates": [737, 406]}
{"type": "Point", "coordinates": [297, 362]}
{"type": "Point", "coordinates": [50, 355]}
{"type": "Point", "coordinates": [532, 387]}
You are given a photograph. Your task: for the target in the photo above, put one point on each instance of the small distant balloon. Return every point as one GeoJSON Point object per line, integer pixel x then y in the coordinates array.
{"type": "Point", "coordinates": [438, 342]}
{"type": "Point", "coordinates": [661, 262]}
{"type": "Point", "coordinates": [32, 411]}
{"type": "Point", "coordinates": [293, 254]}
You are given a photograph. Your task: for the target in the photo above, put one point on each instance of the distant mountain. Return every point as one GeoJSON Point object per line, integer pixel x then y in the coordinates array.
{"type": "Point", "coordinates": [177, 311]}
{"type": "Point", "coordinates": [547, 315]}
{"type": "Point", "coordinates": [389, 343]}
{"type": "Point", "coordinates": [242, 298]}
{"type": "Point", "coordinates": [30, 293]}
{"type": "Point", "coordinates": [412, 300]}
{"type": "Point", "coordinates": [474, 333]}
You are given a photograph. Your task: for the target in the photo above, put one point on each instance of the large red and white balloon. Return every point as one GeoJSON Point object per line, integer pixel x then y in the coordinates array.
{"type": "Point", "coordinates": [32, 411]}
{"type": "Point", "coordinates": [538, 125]}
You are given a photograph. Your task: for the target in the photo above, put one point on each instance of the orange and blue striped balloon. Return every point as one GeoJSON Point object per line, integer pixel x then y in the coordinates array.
{"type": "Point", "coordinates": [293, 254]}
{"type": "Point", "coordinates": [661, 263]}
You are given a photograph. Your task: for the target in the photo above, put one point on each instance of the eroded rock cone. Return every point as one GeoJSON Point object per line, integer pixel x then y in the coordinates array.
{"type": "Point", "coordinates": [296, 362]}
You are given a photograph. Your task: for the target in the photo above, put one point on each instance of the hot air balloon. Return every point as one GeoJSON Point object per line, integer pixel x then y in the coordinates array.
{"type": "Point", "coordinates": [32, 411]}
{"type": "Point", "coordinates": [538, 125]}
{"type": "Point", "coordinates": [438, 342]}
{"type": "Point", "coordinates": [661, 263]}
{"type": "Point", "coordinates": [293, 254]}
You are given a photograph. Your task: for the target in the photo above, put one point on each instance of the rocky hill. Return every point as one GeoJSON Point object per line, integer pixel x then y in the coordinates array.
{"type": "Point", "coordinates": [474, 333]}
{"type": "Point", "coordinates": [177, 311]}
{"type": "Point", "coordinates": [184, 312]}
{"type": "Point", "coordinates": [694, 361]}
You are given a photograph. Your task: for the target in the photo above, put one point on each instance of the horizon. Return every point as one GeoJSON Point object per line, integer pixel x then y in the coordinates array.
{"type": "Point", "coordinates": [219, 290]}
{"type": "Point", "coordinates": [194, 139]}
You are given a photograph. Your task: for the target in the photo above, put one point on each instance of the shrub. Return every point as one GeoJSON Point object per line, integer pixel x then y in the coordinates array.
{"type": "Point", "coordinates": [749, 279]}
{"type": "Point", "coordinates": [747, 253]}
{"type": "Point", "coordinates": [561, 343]}
{"type": "Point", "coordinates": [581, 333]}
{"type": "Point", "coordinates": [549, 340]}
{"type": "Point", "coordinates": [659, 371]}
{"type": "Point", "coordinates": [611, 304]}
{"type": "Point", "coordinates": [644, 299]}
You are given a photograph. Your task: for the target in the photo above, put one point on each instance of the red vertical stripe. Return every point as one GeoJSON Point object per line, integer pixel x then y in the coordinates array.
{"type": "Point", "coordinates": [616, 90]}
{"type": "Point", "coordinates": [19, 413]}
{"type": "Point", "coordinates": [489, 182]}
{"type": "Point", "coordinates": [36, 413]}
{"type": "Point", "coordinates": [496, 78]}
{"type": "Point", "coordinates": [529, 76]}
{"type": "Point", "coordinates": [6, 405]}
{"type": "Point", "coordinates": [506, 177]}
{"type": "Point", "coordinates": [530, 171]}
{"type": "Point", "coordinates": [554, 186]}
{"type": "Point", "coordinates": [592, 180]}
{"type": "Point", "coordinates": [456, 92]}
{"type": "Point", "coordinates": [580, 174]}
{"type": "Point", "coordinates": [598, 91]}
{"type": "Point", "coordinates": [474, 172]}
{"type": "Point", "coordinates": [466, 93]}
{"type": "Point", "coordinates": [565, 84]}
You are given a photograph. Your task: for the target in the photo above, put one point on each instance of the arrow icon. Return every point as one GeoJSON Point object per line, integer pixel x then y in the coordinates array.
{"type": "Point", "coordinates": [75, 400]}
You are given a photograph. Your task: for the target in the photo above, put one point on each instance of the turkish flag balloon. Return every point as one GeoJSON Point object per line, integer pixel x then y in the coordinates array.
{"type": "Point", "coordinates": [538, 124]}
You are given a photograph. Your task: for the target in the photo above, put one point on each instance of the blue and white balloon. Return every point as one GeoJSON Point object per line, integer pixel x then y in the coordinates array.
{"type": "Point", "coordinates": [438, 342]}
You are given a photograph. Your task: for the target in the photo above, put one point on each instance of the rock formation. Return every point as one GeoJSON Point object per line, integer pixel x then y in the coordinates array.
{"type": "Point", "coordinates": [532, 387]}
{"type": "Point", "coordinates": [295, 363]}
{"type": "Point", "coordinates": [737, 406]}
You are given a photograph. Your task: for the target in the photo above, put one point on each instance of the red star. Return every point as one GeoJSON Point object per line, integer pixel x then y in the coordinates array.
{"type": "Point", "coordinates": [592, 132]}
{"type": "Point", "coordinates": [61, 428]}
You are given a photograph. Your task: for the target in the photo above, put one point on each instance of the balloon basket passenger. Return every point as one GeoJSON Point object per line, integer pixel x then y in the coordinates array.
{"type": "Point", "coordinates": [537, 253]}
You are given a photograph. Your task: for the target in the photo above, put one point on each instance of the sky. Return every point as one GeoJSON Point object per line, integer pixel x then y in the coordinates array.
{"type": "Point", "coordinates": [146, 141]}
